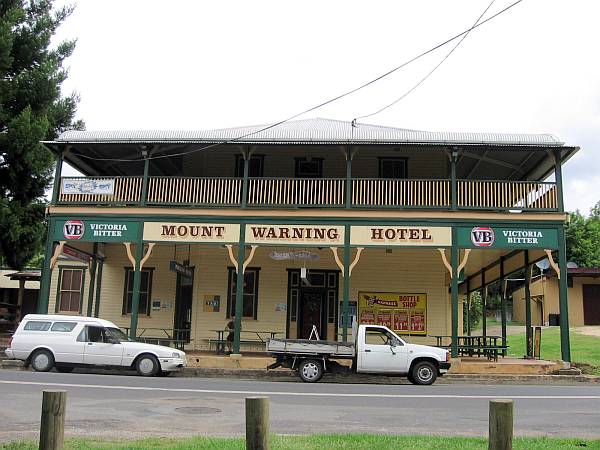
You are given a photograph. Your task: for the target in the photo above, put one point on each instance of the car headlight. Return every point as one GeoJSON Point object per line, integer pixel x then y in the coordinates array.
{"type": "Point", "coordinates": [176, 355]}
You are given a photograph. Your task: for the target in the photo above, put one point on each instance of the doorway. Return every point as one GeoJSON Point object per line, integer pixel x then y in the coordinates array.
{"type": "Point", "coordinates": [312, 301]}
{"type": "Point", "coordinates": [182, 323]}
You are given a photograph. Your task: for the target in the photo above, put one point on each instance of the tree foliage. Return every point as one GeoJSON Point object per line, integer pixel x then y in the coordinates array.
{"type": "Point", "coordinates": [583, 238]}
{"type": "Point", "coordinates": [32, 109]}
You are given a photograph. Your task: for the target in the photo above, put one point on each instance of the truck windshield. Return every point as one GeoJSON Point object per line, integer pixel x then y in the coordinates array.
{"type": "Point", "coordinates": [119, 334]}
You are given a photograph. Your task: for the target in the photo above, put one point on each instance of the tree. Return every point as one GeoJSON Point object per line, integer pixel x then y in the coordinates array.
{"type": "Point", "coordinates": [583, 238]}
{"type": "Point", "coordinates": [32, 109]}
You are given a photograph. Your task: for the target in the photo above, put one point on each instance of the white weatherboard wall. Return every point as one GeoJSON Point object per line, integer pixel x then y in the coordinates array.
{"type": "Point", "coordinates": [406, 270]}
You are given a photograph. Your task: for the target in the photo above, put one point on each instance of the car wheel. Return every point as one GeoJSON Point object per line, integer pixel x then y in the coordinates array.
{"type": "Point", "coordinates": [147, 366]}
{"type": "Point", "coordinates": [423, 373]}
{"type": "Point", "coordinates": [42, 361]}
{"type": "Point", "coordinates": [64, 369]}
{"type": "Point", "coordinates": [310, 370]}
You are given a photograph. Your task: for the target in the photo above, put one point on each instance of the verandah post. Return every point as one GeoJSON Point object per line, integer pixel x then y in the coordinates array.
{"type": "Point", "coordinates": [563, 298]}
{"type": "Point", "coordinates": [528, 329]}
{"type": "Point", "coordinates": [454, 291]}
{"type": "Point", "coordinates": [57, 179]}
{"type": "Point", "coordinates": [239, 289]}
{"type": "Point", "coordinates": [453, 180]}
{"type": "Point", "coordinates": [503, 303]}
{"type": "Point", "coordinates": [346, 303]}
{"type": "Point", "coordinates": [349, 156]}
{"type": "Point", "coordinates": [44, 295]}
{"type": "Point", "coordinates": [246, 156]}
{"type": "Point", "coordinates": [468, 315]}
{"type": "Point", "coordinates": [144, 196]}
{"type": "Point", "coordinates": [483, 304]}
{"type": "Point", "coordinates": [92, 280]}
{"type": "Point", "coordinates": [137, 282]}
{"type": "Point", "coordinates": [98, 289]}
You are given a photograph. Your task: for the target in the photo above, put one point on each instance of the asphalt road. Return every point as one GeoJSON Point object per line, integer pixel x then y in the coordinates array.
{"type": "Point", "coordinates": [113, 406]}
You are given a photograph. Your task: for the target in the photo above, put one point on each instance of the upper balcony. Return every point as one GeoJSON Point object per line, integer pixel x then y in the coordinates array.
{"type": "Point", "coordinates": [312, 164]}
{"type": "Point", "coordinates": [365, 193]}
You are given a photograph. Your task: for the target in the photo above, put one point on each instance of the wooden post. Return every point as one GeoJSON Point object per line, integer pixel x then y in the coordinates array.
{"type": "Point", "coordinates": [257, 423]}
{"type": "Point", "coordinates": [52, 427]}
{"type": "Point", "coordinates": [454, 291]}
{"type": "Point", "coordinates": [501, 425]}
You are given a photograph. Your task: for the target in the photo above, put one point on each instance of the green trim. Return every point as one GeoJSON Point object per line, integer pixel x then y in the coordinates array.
{"type": "Point", "coordinates": [454, 291]}
{"type": "Point", "coordinates": [528, 329]}
{"type": "Point", "coordinates": [483, 305]}
{"type": "Point", "coordinates": [44, 295]}
{"type": "Point", "coordinates": [57, 179]}
{"type": "Point", "coordinates": [92, 280]}
{"type": "Point", "coordinates": [137, 281]}
{"type": "Point", "coordinates": [563, 293]}
{"type": "Point", "coordinates": [503, 302]}
{"type": "Point", "coordinates": [239, 293]}
{"type": "Point", "coordinates": [558, 179]}
{"type": "Point", "coordinates": [144, 195]}
{"type": "Point", "coordinates": [98, 289]}
{"type": "Point", "coordinates": [346, 303]}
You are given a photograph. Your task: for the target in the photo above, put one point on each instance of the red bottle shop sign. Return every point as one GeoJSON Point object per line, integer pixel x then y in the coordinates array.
{"type": "Point", "coordinates": [482, 236]}
{"type": "Point", "coordinates": [73, 229]}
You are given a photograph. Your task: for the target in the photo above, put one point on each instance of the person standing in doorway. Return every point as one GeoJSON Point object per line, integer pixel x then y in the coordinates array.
{"type": "Point", "coordinates": [231, 328]}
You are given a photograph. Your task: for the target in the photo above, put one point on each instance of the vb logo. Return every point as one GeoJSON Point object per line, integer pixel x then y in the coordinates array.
{"type": "Point", "coordinates": [73, 229]}
{"type": "Point", "coordinates": [482, 236]}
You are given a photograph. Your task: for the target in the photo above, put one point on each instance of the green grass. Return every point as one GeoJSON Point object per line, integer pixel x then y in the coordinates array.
{"type": "Point", "coordinates": [320, 442]}
{"type": "Point", "coordinates": [585, 350]}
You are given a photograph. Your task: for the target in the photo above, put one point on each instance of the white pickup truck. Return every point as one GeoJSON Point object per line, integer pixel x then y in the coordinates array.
{"type": "Point", "coordinates": [376, 349]}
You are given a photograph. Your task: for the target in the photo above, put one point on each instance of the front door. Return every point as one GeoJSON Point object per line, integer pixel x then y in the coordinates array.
{"type": "Point", "coordinates": [311, 313]}
{"type": "Point", "coordinates": [98, 350]}
{"type": "Point", "coordinates": [182, 323]}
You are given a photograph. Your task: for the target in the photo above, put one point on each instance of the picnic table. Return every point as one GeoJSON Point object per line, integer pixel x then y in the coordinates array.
{"type": "Point", "coordinates": [261, 337]}
{"type": "Point", "coordinates": [486, 346]}
{"type": "Point", "coordinates": [166, 336]}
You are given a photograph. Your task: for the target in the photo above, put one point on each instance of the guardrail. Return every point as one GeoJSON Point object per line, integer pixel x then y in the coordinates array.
{"type": "Point", "coordinates": [417, 193]}
{"type": "Point", "coordinates": [296, 192]}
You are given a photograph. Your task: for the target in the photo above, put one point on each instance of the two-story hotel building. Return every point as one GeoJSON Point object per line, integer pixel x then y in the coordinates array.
{"type": "Point", "coordinates": [313, 223]}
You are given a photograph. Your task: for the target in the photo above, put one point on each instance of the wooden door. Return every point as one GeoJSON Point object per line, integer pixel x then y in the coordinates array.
{"type": "Point", "coordinates": [311, 313]}
{"type": "Point", "coordinates": [591, 304]}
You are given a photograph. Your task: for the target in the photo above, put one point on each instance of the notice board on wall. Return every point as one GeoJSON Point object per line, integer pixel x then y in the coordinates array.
{"type": "Point", "coordinates": [405, 313]}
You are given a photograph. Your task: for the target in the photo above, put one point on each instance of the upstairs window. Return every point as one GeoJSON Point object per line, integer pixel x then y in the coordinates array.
{"type": "Point", "coordinates": [309, 168]}
{"type": "Point", "coordinates": [393, 168]}
{"type": "Point", "coordinates": [255, 166]}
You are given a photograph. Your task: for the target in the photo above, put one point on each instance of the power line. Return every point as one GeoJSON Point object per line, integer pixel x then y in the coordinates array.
{"type": "Point", "coordinates": [320, 105]}
{"type": "Point", "coordinates": [464, 36]}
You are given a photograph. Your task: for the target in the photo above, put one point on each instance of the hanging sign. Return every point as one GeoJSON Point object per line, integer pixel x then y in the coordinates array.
{"type": "Point", "coordinates": [95, 230]}
{"type": "Point", "coordinates": [182, 270]}
{"type": "Point", "coordinates": [507, 237]}
{"type": "Point", "coordinates": [294, 256]}
{"type": "Point", "coordinates": [86, 186]}
{"type": "Point", "coordinates": [218, 233]}
{"type": "Point", "coordinates": [300, 235]}
{"type": "Point", "coordinates": [403, 313]}
{"type": "Point", "coordinates": [390, 236]}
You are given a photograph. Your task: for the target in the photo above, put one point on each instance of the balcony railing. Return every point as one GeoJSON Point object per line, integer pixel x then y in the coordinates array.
{"type": "Point", "coordinates": [495, 195]}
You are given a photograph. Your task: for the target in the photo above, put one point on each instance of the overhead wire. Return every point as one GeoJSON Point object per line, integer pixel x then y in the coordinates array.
{"type": "Point", "coordinates": [320, 105]}
{"type": "Point", "coordinates": [422, 80]}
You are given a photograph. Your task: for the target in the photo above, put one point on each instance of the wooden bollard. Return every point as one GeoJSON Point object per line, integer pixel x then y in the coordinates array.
{"type": "Point", "coordinates": [52, 427]}
{"type": "Point", "coordinates": [257, 423]}
{"type": "Point", "coordinates": [501, 425]}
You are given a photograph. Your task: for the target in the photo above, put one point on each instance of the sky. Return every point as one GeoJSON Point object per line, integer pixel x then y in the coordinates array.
{"type": "Point", "coordinates": [185, 64]}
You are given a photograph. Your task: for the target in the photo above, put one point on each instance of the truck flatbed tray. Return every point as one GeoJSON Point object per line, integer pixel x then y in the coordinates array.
{"type": "Point", "coordinates": [310, 347]}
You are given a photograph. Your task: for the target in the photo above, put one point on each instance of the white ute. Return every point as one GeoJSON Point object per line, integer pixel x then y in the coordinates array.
{"type": "Point", "coordinates": [65, 342]}
{"type": "Point", "coordinates": [376, 349]}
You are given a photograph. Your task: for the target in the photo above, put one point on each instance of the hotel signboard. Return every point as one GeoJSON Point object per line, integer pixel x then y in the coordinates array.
{"type": "Point", "coordinates": [389, 236]}
{"type": "Point", "coordinates": [206, 233]}
{"type": "Point", "coordinates": [96, 230]}
{"type": "Point", "coordinates": [507, 237]}
{"type": "Point", "coordinates": [402, 312]}
{"type": "Point", "coordinates": [300, 235]}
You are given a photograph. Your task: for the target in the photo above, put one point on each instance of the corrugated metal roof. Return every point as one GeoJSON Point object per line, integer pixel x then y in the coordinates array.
{"type": "Point", "coordinates": [309, 131]}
